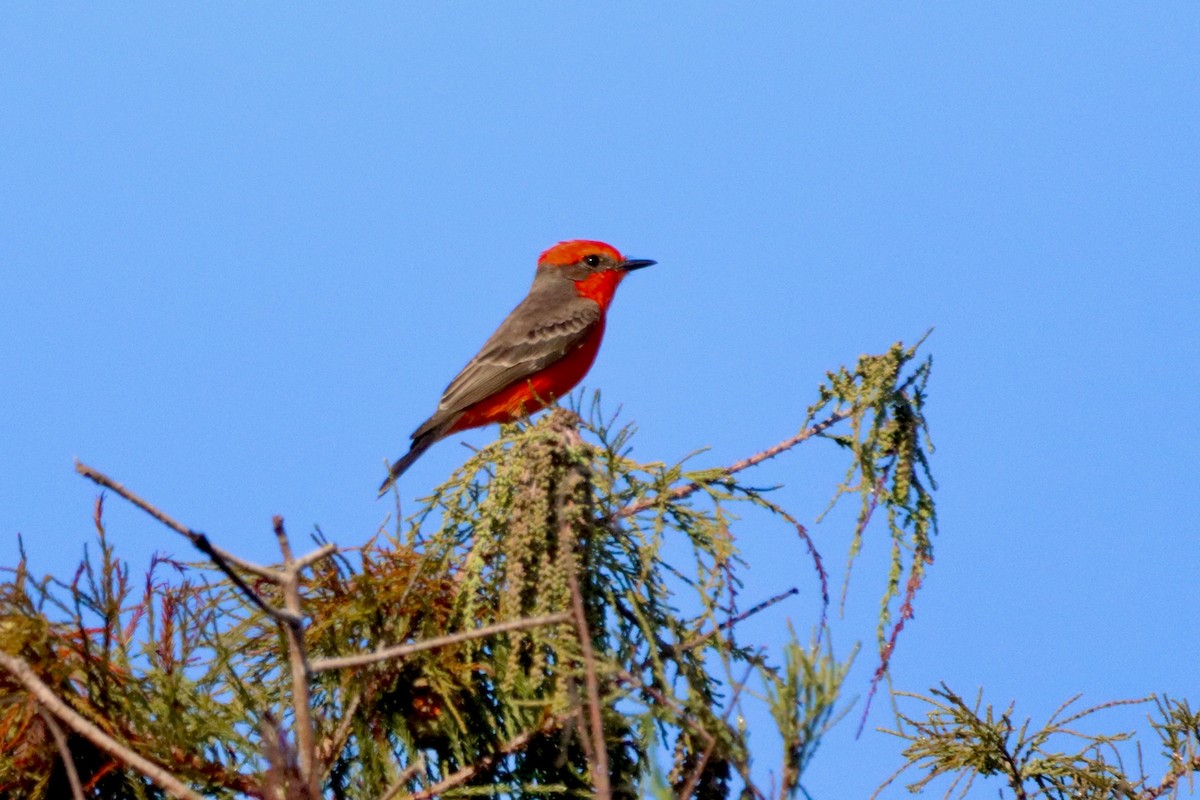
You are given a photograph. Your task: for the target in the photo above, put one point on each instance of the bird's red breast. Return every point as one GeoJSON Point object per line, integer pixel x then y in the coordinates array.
{"type": "Point", "coordinates": [539, 389]}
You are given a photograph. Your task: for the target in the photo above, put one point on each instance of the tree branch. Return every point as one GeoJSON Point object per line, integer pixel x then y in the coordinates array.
{"type": "Point", "coordinates": [399, 651]}
{"type": "Point", "coordinates": [223, 560]}
{"type": "Point", "coordinates": [20, 670]}
{"type": "Point", "coordinates": [682, 491]}
{"type": "Point", "coordinates": [333, 745]}
{"type": "Point", "coordinates": [1171, 779]}
{"type": "Point", "coordinates": [599, 749]}
{"type": "Point", "coordinates": [60, 741]}
{"type": "Point", "coordinates": [287, 578]}
{"type": "Point", "coordinates": [298, 660]}
{"type": "Point", "coordinates": [508, 748]}
{"type": "Point", "coordinates": [409, 773]}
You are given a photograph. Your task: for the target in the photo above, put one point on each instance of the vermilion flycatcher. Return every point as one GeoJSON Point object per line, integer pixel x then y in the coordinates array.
{"type": "Point", "coordinates": [539, 353]}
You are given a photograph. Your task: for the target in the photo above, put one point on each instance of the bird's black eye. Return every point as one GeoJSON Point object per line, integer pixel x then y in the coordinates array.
{"type": "Point", "coordinates": [592, 260]}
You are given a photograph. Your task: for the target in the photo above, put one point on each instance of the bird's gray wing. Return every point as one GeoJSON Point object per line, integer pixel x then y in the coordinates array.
{"type": "Point", "coordinates": [528, 341]}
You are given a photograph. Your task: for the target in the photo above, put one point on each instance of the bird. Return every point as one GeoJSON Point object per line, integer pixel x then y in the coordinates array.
{"type": "Point", "coordinates": [540, 352]}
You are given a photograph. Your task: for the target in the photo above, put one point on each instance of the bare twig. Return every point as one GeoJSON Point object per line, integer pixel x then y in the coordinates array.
{"type": "Point", "coordinates": [629, 679]}
{"type": "Point", "coordinates": [332, 745]}
{"type": "Point", "coordinates": [308, 559]}
{"type": "Point", "coordinates": [682, 491]}
{"type": "Point", "coordinates": [64, 752]}
{"type": "Point", "coordinates": [699, 639]}
{"type": "Point", "coordinates": [508, 748]}
{"type": "Point", "coordinates": [20, 670]}
{"type": "Point", "coordinates": [573, 503]}
{"type": "Point", "coordinates": [885, 655]}
{"type": "Point", "coordinates": [287, 578]}
{"type": "Point", "coordinates": [399, 651]}
{"type": "Point", "coordinates": [698, 770]}
{"type": "Point", "coordinates": [223, 560]}
{"type": "Point", "coordinates": [599, 750]}
{"type": "Point", "coordinates": [298, 659]}
{"type": "Point", "coordinates": [802, 532]}
{"type": "Point", "coordinates": [1171, 779]}
{"type": "Point", "coordinates": [95, 476]}
{"type": "Point", "coordinates": [409, 773]}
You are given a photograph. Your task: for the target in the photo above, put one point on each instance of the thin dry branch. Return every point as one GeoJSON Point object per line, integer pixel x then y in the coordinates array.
{"type": "Point", "coordinates": [399, 651]}
{"type": "Point", "coordinates": [629, 679]}
{"type": "Point", "coordinates": [196, 537]}
{"type": "Point", "coordinates": [699, 639]}
{"type": "Point", "coordinates": [1171, 779]}
{"type": "Point", "coordinates": [508, 748]}
{"type": "Point", "coordinates": [298, 660]}
{"type": "Point", "coordinates": [682, 491]}
{"type": "Point", "coordinates": [22, 672]}
{"type": "Point", "coordinates": [885, 655]}
{"type": "Point", "coordinates": [697, 771]}
{"type": "Point", "coordinates": [403, 777]}
{"type": "Point", "coordinates": [291, 618]}
{"type": "Point", "coordinates": [64, 752]}
{"type": "Point", "coordinates": [407, 775]}
{"type": "Point", "coordinates": [305, 561]}
{"type": "Point", "coordinates": [598, 752]}
{"type": "Point", "coordinates": [332, 745]}
{"type": "Point", "coordinates": [223, 560]}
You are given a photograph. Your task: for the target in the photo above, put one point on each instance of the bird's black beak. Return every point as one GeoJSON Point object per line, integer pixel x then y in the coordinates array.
{"type": "Point", "coordinates": [629, 265]}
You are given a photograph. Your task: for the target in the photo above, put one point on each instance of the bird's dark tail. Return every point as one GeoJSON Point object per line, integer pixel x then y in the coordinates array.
{"type": "Point", "coordinates": [419, 446]}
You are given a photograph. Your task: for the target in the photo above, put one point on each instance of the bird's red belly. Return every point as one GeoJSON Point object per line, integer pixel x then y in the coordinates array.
{"type": "Point", "coordinates": [535, 391]}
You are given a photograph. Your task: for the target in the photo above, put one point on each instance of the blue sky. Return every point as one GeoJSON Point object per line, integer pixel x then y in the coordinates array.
{"type": "Point", "coordinates": [244, 247]}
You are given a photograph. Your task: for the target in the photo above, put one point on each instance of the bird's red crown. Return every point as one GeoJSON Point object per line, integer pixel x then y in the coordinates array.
{"type": "Point", "coordinates": [573, 251]}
